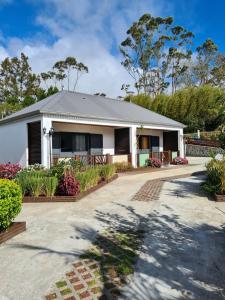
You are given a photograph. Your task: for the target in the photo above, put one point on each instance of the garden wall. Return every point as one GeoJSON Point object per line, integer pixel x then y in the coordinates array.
{"type": "Point", "coordinates": [202, 151]}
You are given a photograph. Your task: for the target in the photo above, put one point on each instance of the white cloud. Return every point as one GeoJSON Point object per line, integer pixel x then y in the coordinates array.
{"type": "Point", "coordinates": [90, 32]}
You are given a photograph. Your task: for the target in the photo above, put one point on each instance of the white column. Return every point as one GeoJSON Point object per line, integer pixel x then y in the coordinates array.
{"type": "Point", "coordinates": [133, 145]}
{"type": "Point", "coordinates": [45, 142]}
{"type": "Point", "coordinates": [181, 142]}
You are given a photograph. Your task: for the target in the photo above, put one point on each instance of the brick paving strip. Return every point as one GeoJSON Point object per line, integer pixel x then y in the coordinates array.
{"type": "Point", "coordinates": [150, 191]}
{"type": "Point", "coordinates": [95, 278]}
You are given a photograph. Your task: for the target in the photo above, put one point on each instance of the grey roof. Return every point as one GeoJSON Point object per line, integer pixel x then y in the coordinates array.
{"type": "Point", "coordinates": [92, 106]}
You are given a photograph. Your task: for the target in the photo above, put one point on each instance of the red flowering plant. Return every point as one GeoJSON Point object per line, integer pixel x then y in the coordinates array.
{"type": "Point", "coordinates": [180, 161]}
{"type": "Point", "coordinates": [154, 162]}
{"type": "Point", "coordinates": [68, 186]}
{"type": "Point", "coordinates": [9, 171]}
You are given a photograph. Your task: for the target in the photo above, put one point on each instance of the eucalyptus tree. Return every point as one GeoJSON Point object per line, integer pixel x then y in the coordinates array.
{"type": "Point", "coordinates": [144, 52]}
{"type": "Point", "coordinates": [179, 55]}
{"type": "Point", "coordinates": [17, 81]}
{"type": "Point", "coordinates": [207, 54]}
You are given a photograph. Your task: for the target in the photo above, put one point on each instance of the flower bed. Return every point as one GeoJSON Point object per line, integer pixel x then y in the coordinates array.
{"type": "Point", "coordinates": [66, 181]}
{"type": "Point", "coordinates": [14, 229]}
{"type": "Point", "coordinates": [44, 199]}
{"type": "Point", "coordinates": [219, 198]}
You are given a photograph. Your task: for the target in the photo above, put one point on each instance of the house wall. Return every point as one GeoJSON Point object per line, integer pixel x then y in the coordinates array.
{"type": "Point", "coordinates": [106, 131]}
{"type": "Point", "coordinates": [14, 142]}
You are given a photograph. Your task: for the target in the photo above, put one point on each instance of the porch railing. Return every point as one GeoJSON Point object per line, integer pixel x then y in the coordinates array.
{"type": "Point", "coordinates": [165, 157]}
{"type": "Point", "coordinates": [91, 160]}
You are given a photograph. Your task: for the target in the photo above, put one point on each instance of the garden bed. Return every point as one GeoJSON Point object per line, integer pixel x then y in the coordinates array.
{"type": "Point", "coordinates": [44, 199]}
{"type": "Point", "coordinates": [12, 230]}
{"type": "Point", "coordinates": [219, 198]}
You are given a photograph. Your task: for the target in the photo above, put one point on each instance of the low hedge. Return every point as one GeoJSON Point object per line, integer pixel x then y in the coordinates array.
{"type": "Point", "coordinates": [10, 202]}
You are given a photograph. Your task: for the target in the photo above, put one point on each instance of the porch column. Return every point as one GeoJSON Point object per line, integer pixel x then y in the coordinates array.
{"type": "Point", "coordinates": [45, 142]}
{"type": "Point", "coordinates": [133, 145]}
{"type": "Point", "coordinates": [181, 142]}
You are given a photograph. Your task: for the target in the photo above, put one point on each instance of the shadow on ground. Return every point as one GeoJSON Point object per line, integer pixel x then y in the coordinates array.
{"type": "Point", "coordinates": [177, 261]}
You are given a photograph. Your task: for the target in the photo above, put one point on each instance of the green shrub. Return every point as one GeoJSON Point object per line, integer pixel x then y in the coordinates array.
{"type": "Point", "coordinates": [107, 171]}
{"type": "Point", "coordinates": [88, 178]}
{"type": "Point", "coordinates": [31, 182]}
{"type": "Point", "coordinates": [215, 182]}
{"type": "Point", "coordinates": [10, 202]}
{"type": "Point", "coordinates": [50, 185]}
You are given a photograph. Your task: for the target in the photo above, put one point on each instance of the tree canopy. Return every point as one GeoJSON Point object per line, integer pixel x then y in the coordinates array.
{"type": "Point", "coordinates": [21, 87]}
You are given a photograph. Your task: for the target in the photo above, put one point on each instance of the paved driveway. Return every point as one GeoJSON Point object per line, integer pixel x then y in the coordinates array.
{"type": "Point", "coordinates": [184, 251]}
{"type": "Point", "coordinates": [58, 232]}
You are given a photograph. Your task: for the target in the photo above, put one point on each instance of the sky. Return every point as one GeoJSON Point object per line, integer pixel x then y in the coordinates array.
{"type": "Point", "coordinates": [91, 31]}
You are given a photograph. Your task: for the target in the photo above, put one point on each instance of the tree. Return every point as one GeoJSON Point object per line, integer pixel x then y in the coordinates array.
{"type": "Point", "coordinates": [17, 81]}
{"type": "Point", "coordinates": [144, 53]}
{"type": "Point", "coordinates": [206, 58]}
{"type": "Point", "coordinates": [179, 55]}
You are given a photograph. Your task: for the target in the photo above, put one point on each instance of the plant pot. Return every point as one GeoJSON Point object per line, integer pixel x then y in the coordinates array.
{"type": "Point", "coordinates": [219, 197]}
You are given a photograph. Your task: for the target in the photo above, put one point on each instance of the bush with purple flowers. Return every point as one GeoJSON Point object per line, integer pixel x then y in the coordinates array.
{"type": "Point", "coordinates": [68, 186]}
{"type": "Point", "coordinates": [154, 162]}
{"type": "Point", "coordinates": [179, 161]}
{"type": "Point", "coordinates": [9, 171]}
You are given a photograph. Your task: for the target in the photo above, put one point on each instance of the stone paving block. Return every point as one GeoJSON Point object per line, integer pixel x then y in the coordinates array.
{"type": "Point", "coordinates": [51, 296]}
{"type": "Point", "coordinates": [66, 291]}
{"type": "Point", "coordinates": [70, 274]}
{"type": "Point", "coordinates": [78, 287]}
{"type": "Point", "coordinates": [78, 264]}
{"type": "Point", "coordinates": [74, 280]}
{"type": "Point", "coordinates": [84, 295]}
{"type": "Point", "coordinates": [86, 276]}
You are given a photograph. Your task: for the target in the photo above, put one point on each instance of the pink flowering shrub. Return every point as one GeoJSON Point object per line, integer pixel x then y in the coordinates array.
{"type": "Point", "coordinates": [180, 161]}
{"type": "Point", "coordinates": [9, 171]}
{"type": "Point", "coordinates": [154, 162]}
{"type": "Point", "coordinates": [68, 186]}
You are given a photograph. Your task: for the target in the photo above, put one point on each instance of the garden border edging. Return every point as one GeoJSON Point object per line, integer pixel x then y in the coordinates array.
{"type": "Point", "coordinates": [219, 198]}
{"type": "Point", "coordinates": [14, 229]}
{"type": "Point", "coordinates": [40, 199]}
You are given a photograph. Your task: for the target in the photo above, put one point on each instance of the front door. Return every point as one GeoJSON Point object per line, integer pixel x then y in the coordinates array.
{"type": "Point", "coordinates": [122, 141]}
{"type": "Point", "coordinates": [34, 143]}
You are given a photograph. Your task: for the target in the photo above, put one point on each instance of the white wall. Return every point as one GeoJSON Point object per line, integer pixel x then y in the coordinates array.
{"type": "Point", "coordinates": [106, 131]}
{"type": "Point", "coordinates": [14, 142]}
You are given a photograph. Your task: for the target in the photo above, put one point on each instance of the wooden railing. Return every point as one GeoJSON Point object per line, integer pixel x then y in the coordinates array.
{"type": "Point", "coordinates": [92, 160]}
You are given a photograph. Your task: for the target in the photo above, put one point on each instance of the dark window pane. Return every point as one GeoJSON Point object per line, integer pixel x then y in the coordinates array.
{"type": "Point", "coordinates": [56, 141]}
{"type": "Point", "coordinates": [96, 141]}
{"type": "Point", "coordinates": [80, 143]}
{"type": "Point", "coordinates": [66, 142]}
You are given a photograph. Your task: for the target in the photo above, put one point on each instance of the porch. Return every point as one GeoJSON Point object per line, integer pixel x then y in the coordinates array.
{"type": "Point", "coordinates": [101, 144]}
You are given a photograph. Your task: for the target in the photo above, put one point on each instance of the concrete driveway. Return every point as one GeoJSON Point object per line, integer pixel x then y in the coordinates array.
{"type": "Point", "coordinates": [58, 232]}
{"type": "Point", "coordinates": [183, 256]}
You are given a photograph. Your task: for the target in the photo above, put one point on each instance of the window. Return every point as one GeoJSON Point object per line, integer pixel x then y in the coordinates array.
{"type": "Point", "coordinates": [79, 143]}
{"type": "Point", "coordinates": [144, 142]}
{"type": "Point", "coordinates": [96, 141]}
{"type": "Point", "coordinates": [66, 142]}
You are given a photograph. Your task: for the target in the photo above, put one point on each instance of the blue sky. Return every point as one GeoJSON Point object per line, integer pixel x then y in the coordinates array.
{"type": "Point", "coordinates": [91, 30]}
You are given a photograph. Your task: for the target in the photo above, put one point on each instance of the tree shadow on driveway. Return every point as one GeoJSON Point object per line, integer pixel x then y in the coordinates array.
{"type": "Point", "coordinates": [176, 261]}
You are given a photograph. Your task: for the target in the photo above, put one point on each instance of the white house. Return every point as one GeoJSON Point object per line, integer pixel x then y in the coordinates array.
{"type": "Point", "coordinates": [69, 124]}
